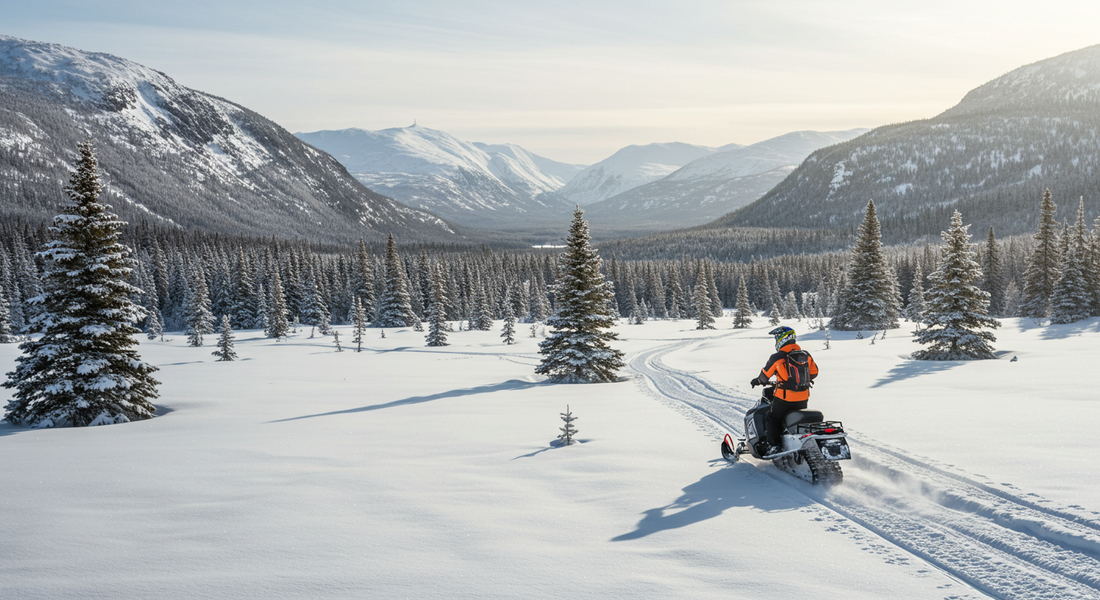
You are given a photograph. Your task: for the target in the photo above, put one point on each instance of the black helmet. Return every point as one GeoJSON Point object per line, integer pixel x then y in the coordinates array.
{"type": "Point", "coordinates": [783, 336]}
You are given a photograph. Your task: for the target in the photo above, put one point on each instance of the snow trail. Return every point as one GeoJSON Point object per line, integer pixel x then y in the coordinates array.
{"type": "Point", "coordinates": [1005, 543]}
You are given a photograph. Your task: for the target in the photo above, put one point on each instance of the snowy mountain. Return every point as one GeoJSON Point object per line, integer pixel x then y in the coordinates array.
{"type": "Point", "coordinates": [991, 156]}
{"type": "Point", "coordinates": [631, 167]}
{"type": "Point", "coordinates": [471, 183]}
{"type": "Point", "coordinates": [174, 156]}
{"type": "Point", "coordinates": [713, 185]}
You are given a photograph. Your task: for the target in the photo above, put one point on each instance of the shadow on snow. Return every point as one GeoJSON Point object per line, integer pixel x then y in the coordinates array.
{"type": "Point", "coordinates": [915, 368]}
{"type": "Point", "coordinates": [709, 498]}
{"type": "Point", "coordinates": [513, 384]}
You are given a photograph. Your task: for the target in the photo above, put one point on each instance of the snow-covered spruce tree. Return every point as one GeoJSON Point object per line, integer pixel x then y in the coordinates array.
{"type": "Point", "coordinates": [245, 310]}
{"type": "Point", "coordinates": [993, 270]}
{"type": "Point", "coordinates": [742, 319]}
{"type": "Point", "coordinates": [437, 309]}
{"type": "Point", "coordinates": [509, 330]}
{"type": "Point", "coordinates": [6, 334]}
{"type": "Point", "coordinates": [773, 315]}
{"type": "Point", "coordinates": [481, 316]}
{"type": "Point", "coordinates": [154, 325]}
{"type": "Point", "coordinates": [363, 279]}
{"type": "Point", "coordinates": [359, 324]}
{"type": "Point", "coordinates": [197, 314]}
{"type": "Point", "coordinates": [225, 350]}
{"type": "Point", "coordinates": [1072, 298]}
{"type": "Point", "coordinates": [569, 431]}
{"type": "Point", "coordinates": [336, 340]}
{"type": "Point", "coordinates": [84, 369]}
{"type": "Point", "coordinates": [276, 317]}
{"type": "Point", "coordinates": [712, 292]}
{"type": "Point", "coordinates": [704, 319]}
{"type": "Point", "coordinates": [1043, 264]}
{"type": "Point", "coordinates": [957, 312]}
{"type": "Point", "coordinates": [395, 306]}
{"type": "Point", "coordinates": [915, 310]}
{"type": "Point", "coordinates": [577, 351]}
{"type": "Point", "coordinates": [870, 300]}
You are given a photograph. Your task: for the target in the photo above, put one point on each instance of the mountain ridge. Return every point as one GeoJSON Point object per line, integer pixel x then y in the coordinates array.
{"type": "Point", "coordinates": [990, 156]}
{"type": "Point", "coordinates": [175, 156]}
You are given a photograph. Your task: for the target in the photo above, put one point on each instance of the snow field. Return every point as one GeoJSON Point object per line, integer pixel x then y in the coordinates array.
{"type": "Point", "coordinates": [406, 471]}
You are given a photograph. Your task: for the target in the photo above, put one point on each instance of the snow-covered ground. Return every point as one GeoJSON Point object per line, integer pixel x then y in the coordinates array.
{"type": "Point", "coordinates": [413, 472]}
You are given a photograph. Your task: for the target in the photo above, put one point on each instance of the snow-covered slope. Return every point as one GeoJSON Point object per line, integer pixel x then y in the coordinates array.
{"type": "Point", "coordinates": [631, 167]}
{"type": "Point", "coordinates": [404, 471]}
{"type": "Point", "coordinates": [469, 183]}
{"type": "Point", "coordinates": [713, 185]}
{"type": "Point", "coordinates": [174, 155]}
{"type": "Point", "coordinates": [990, 157]}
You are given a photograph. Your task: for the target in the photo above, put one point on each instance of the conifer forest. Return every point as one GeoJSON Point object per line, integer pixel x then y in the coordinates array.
{"type": "Point", "coordinates": [190, 280]}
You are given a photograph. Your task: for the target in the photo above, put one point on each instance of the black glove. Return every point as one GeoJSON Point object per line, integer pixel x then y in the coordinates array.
{"type": "Point", "coordinates": [755, 382]}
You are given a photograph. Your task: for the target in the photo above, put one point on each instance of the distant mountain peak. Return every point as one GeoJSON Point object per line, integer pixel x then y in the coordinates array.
{"type": "Point", "coordinates": [469, 182]}
{"type": "Point", "coordinates": [177, 155]}
{"type": "Point", "coordinates": [990, 156]}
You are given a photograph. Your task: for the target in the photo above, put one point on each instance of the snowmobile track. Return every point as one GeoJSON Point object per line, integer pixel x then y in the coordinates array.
{"type": "Point", "coordinates": [1005, 543]}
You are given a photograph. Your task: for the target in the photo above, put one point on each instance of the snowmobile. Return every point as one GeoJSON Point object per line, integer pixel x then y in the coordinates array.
{"type": "Point", "coordinates": [811, 445]}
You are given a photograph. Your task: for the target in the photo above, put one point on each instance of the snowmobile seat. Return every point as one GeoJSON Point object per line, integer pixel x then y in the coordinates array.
{"type": "Point", "coordinates": [802, 416]}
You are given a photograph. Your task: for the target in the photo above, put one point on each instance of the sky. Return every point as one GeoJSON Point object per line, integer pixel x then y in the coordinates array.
{"type": "Point", "coordinates": [575, 80]}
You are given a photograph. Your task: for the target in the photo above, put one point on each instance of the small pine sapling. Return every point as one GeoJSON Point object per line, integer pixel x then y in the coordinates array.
{"type": "Point", "coordinates": [336, 340]}
{"type": "Point", "coordinates": [827, 338]}
{"type": "Point", "coordinates": [569, 431]}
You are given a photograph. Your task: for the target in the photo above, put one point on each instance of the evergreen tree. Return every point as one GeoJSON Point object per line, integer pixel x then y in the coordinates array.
{"type": "Point", "coordinates": [84, 370]}
{"type": "Point", "coordinates": [915, 311]}
{"type": "Point", "coordinates": [1071, 300]}
{"type": "Point", "coordinates": [154, 325]}
{"type": "Point", "coordinates": [359, 325]}
{"type": "Point", "coordinates": [363, 279]}
{"type": "Point", "coordinates": [675, 294]}
{"type": "Point", "coordinates": [509, 330]}
{"type": "Point", "coordinates": [742, 319]}
{"type": "Point", "coordinates": [712, 292]}
{"type": "Point", "coordinates": [481, 316]}
{"type": "Point", "coordinates": [1043, 264]}
{"type": "Point", "coordinates": [569, 431]}
{"type": "Point", "coordinates": [773, 318]}
{"type": "Point", "coordinates": [994, 281]}
{"type": "Point", "coordinates": [6, 334]}
{"type": "Point", "coordinates": [278, 323]}
{"type": "Point", "coordinates": [577, 348]}
{"type": "Point", "coordinates": [870, 300]}
{"type": "Point", "coordinates": [336, 340]}
{"type": "Point", "coordinates": [437, 309]}
{"type": "Point", "coordinates": [395, 308]}
{"type": "Point", "coordinates": [225, 350]}
{"type": "Point", "coordinates": [245, 311]}
{"type": "Point", "coordinates": [957, 312]}
{"type": "Point", "coordinates": [704, 318]}
{"type": "Point", "coordinates": [197, 309]}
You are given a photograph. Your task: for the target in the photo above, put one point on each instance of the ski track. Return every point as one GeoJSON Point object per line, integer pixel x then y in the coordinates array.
{"type": "Point", "coordinates": [1004, 542]}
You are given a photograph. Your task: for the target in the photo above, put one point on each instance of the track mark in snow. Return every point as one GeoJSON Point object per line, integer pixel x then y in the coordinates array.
{"type": "Point", "coordinates": [1001, 540]}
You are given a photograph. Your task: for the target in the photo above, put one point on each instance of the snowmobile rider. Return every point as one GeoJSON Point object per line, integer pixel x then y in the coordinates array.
{"type": "Point", "coordinates": [794, 375]}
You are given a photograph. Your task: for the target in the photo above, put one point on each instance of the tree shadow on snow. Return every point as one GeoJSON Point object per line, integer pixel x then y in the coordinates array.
{"type": "Point", "coordinates": [709, 498]}
{"type": "Point", "coordinates": [915, 368]}
{"type": "Point", "coordinates": [553, 444]}
{"type": "Point", "coordinates": [1061, 332]}
{"type": "Point", "coordinates": [510, 385]}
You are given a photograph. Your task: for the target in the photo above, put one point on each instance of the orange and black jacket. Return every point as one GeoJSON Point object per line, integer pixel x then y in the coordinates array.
{"type": "Point", "coordinates": [777, 366]}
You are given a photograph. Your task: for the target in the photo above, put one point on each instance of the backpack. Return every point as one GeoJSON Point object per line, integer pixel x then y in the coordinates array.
{"type": "Point", "coordinates": [798, 371]}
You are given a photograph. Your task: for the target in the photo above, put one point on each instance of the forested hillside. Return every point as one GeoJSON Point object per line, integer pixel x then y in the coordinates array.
{"type": "Point", "coordinates": [174, 156]}
{"type": "Point", "coordinates": [990, 157]}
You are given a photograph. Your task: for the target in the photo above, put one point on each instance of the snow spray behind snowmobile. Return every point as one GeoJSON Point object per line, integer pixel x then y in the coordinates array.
{"type": "Point", "coordinates": [811, 446]}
